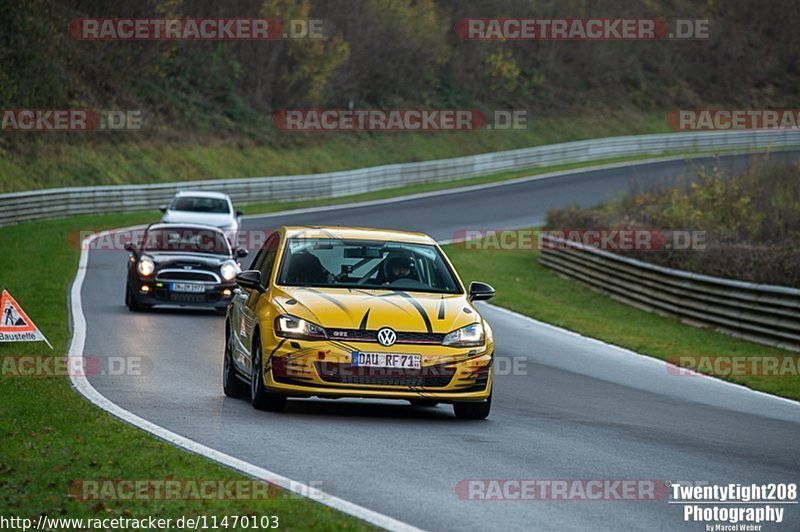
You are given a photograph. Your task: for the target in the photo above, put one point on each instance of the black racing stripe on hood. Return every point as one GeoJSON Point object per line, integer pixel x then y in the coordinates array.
{"type": "Point", "coordinates": [363, 325]}
{"type": "Point", "coordinates": [419, 308]}
{"type": "Point", "coordinates": [368, 294]}
{"type": "Point", "coordinates": [441, 308]}
{"type": "Point", "coordinates": [330, 298]}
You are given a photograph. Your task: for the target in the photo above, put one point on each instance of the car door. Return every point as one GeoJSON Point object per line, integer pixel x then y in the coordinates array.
{"type": "Point", "coordinates": [251, 300]}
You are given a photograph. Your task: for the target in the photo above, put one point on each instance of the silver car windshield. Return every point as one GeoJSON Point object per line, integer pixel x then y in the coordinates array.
{"type": "Point", "coordinates": [201, 204]}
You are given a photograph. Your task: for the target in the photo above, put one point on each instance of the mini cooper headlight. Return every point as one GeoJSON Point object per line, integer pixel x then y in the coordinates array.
{"type": "Point", "coordinates": [292, 327]}
{"type": "Point", "coordinates": [146, 266]}
{"type": "Point", "coordinates": [228, 270]}
{"type": "Point", "coordinates": [469, 336]}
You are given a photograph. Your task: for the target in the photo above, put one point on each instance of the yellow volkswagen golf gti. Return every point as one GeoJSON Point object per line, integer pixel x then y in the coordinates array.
{"type": "Point", "coordinates": [338, 312]}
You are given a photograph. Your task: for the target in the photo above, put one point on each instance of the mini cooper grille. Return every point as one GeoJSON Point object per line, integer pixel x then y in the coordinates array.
{"type": "Point", "coordinates": [187, 298]}
{"type": "Point", "coordinates": [359, 335]}
{"type": "Point", "coordinates": [437, 376]}
{"type": "Point", "coordinates": [187, 276]}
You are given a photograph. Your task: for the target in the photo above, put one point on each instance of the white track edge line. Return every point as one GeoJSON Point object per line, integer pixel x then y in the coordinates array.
{"type": "Point", "coordinates": [85, 388]}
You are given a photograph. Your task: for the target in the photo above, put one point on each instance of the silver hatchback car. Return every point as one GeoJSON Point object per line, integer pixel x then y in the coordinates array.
{"type": "Point", "coordinates": [203, 207]}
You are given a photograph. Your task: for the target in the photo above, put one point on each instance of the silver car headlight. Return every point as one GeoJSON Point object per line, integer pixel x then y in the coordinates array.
{"type": "Point", "coordinates": [469, 336]}
{"type": "Point", "coordinates": [146, 266]}
{"type": "Point", "coordinates": [287, 326]}
{"type": "Point", "coordinates": [228, 270]}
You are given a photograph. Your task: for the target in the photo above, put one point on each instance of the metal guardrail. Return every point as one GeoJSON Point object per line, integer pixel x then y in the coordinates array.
{"type": "Point", "coordinates": [761, 313]}
{"type": "Point", "coordinates": [60, 202]}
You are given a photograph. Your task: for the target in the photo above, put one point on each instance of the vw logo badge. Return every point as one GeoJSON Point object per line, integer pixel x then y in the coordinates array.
{"type": "Point", "coordinates": [386, 336]}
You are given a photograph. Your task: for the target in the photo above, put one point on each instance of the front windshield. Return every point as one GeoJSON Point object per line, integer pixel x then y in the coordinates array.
{"type": "Point", "coordinates": [187, 240]}
{"type": "Point", "coordinates": [201, 204]}
{"type": "Point", "coordinates": [335, 263]}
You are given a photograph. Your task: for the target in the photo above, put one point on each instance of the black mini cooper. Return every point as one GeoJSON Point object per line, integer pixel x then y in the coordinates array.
{"type": "Point", "coordinates": [181, 264]}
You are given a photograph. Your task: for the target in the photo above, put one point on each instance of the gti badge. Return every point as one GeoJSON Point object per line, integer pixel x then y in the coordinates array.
{"type": "Point", "coordinates": [386, 336]}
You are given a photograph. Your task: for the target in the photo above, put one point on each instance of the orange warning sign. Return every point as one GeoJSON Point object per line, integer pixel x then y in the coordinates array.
{"type": "Point", "coordinates": [13, 318]}
{"type": "Point", "coordinates": [15, 325]}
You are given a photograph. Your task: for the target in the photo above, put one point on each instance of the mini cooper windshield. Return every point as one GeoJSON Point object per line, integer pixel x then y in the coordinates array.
{"type": "Point", "coordinates": [334, 263]}
{"type": "Point", "coordinates": [187, 240]}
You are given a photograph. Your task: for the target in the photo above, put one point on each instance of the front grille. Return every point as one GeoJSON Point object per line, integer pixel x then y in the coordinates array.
{"type": "Point", "coordinates": [437, 376]}
{"type": "Point", "coordinates": [187, 276]}
{"type": "Point", "coordinates": [180, 297]}
{"type": "Point", "coordinates": [361, 335]}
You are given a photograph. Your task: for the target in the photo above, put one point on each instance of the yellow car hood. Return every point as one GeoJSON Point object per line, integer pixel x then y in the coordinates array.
{"type": "Point", "coordinates": [372, 309]}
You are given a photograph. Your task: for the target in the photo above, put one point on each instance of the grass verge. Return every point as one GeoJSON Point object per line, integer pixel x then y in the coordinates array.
{"type": "Point", "coordinates": [525, 286]}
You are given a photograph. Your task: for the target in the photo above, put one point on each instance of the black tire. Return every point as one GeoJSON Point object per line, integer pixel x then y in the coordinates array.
{"type": "Point", "coordinates": [473, 410]}
{"type": "Point", "coordinates": [423, 402]}
{"type": "Point", "coordinates": [261, 399]}
{"type": "Point", "coordinates": [231, 384]}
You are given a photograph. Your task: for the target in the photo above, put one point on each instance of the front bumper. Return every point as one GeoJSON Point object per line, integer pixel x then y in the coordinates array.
{"type": "Point", "coordinates": [324, 369]}
{"type": "Point", "coordinates": [159, 293]}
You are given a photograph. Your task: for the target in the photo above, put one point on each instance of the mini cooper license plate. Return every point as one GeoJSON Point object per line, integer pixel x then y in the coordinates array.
{"type": "Point", "coordinates": [386, 360]}
{"type": "Point", "coordinates": [187, 287]}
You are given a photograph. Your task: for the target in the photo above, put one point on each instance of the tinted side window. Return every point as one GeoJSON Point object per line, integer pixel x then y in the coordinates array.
{"type": "Point", "coordinates": [267, 259]}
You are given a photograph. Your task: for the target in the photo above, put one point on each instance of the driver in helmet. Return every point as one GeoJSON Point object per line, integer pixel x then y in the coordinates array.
{"type": "Point", "coordinates": [399, 266]}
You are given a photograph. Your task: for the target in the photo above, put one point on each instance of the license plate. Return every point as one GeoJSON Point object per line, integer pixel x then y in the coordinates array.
{"type": "Point", "coordinates": [188, 287]}
{"type": "Point", "coordinates": [386, 360]}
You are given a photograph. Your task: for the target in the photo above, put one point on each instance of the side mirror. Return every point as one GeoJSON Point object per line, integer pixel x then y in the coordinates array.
{"type": "Point", "coordinates": [241, 252]}
{"type": "Point", "coordinates": [249, 279]}
{"type": "Point", "coordinates": [163, 208]}
{"type": "Point", "coordinates": [130, 246]}
{"type": "Point", "coordinates": [239, 214]}
{"type": "Point", "coordinates": [479, 291]}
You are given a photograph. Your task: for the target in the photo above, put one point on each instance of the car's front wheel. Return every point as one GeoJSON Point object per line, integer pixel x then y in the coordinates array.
{"type": "Point", "coordinates": [259, 396]}
{"type": "Point", "coordinates": [473, 410]}
{"type": "Point", "coordinates": [231, 384]}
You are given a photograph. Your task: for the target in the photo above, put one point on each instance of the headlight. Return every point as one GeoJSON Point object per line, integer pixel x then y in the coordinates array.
{"type": "Point", "coordinates": [146, 266]}
{"type": "Point", "coordinates": [228, 270]}
{"type": "Point", "coordinates": [469, 336]}
{"type": "Point", "coordinates": [292, 327]}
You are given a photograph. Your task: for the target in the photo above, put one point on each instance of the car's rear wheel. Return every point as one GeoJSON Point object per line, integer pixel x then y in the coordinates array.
{"type": "Point", "coordinates": [423, 402]}
{"type": "Point", "coordinates": [259, 396]}
{"type": "Point", "coordinates": [231, 384]}
{"type": "Point", "coordinates": [473, 410]}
